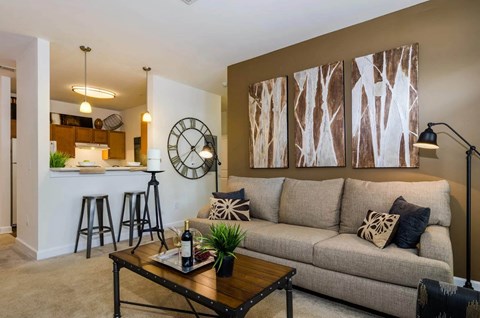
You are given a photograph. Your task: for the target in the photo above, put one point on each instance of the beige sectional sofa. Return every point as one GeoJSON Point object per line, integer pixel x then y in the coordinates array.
{"type": "Point", "coordinates": [312, 225]}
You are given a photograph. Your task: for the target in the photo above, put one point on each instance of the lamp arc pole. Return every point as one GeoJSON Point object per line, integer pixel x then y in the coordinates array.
{"type": "Point", "coordinates": [429, 137]}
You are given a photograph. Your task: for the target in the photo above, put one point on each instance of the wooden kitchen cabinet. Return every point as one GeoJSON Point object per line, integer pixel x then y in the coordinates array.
{"type": "Point", "coordinates": [83, 134]}
{"type": "Point", "coordinates": [100, 136]}
{"type": "Point", "coordinates": [116, 142]}
{"type": "Point", "coordinates": [65, 138]}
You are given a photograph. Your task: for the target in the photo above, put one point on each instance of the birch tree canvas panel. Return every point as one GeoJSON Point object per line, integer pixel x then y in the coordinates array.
{"type": "Point", "coordinates": [320, 116]}
{"type": "Point", "coordinates": [267, 103]}
{"type": "Point", "coordinates": [385, 109]}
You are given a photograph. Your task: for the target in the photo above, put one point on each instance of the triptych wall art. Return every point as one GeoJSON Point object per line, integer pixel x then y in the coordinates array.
{"type": "Point", "coordinates": [384, 114]}
{"type": "Point", "coordinates": [319, 116]}
{"type": "Point", "coordinates": [385, 109]}
{"type": "Point", "coordinates": [267, 110]}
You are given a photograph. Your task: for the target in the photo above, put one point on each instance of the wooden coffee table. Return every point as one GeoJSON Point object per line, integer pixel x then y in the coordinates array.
{"type": "Point", "coordinates": [253, 279]}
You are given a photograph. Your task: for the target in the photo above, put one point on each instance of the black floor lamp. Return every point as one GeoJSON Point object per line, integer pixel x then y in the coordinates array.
{"type": "Point", "coordinates": [209, 151]}
{"type": "Point", "coordinates": [428, 140]}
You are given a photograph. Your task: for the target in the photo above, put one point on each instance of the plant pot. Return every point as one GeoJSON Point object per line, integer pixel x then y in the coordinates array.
{"type": "Point", "coordinates": [226, 269]}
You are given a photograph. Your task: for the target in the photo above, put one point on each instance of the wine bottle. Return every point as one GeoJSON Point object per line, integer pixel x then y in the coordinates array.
{"type": "Point", "coordinates": [187, 247]}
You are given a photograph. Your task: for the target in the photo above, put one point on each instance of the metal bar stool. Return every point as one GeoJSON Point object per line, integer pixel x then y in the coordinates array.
{"type": "Point", "coordinates": [92, 202]}
{"type": "Point", "coordinates": [134, 211]}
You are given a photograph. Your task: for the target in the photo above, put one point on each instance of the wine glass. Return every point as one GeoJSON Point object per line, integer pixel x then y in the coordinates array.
{"type": "Point", "coordinates": [177, 240]}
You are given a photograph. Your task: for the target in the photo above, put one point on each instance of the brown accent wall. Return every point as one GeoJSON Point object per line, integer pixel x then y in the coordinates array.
{"type": "Point", "coordinates": [448, 33]}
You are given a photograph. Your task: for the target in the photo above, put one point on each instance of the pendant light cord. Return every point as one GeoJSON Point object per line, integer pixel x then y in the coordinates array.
{"type": "Point", "coordinates": [85, 99]}
{"type": "Point", "coordinates": [146, 69]}
{"type": "Point", "coordinates": [85, 50]}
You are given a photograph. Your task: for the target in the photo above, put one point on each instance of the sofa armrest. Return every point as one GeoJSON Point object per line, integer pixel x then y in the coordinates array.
{"type": "Point", "coordinates": [435, 244]}
{"type": "Point", "coordinates": [204, 211]}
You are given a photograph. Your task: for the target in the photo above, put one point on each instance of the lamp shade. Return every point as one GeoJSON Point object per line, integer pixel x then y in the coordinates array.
{"type": "Point", "coordinates": [207, 152]}
{"type": "Point", "coordinates": [85, 107]}
{"type": "Point", "coordinates": [147, 117]}
{"type": "Point", "coordinates": [427, 140]}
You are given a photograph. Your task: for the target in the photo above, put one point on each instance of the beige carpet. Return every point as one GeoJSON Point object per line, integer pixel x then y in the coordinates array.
{"type": "Point", "coordinates": [72, 286]}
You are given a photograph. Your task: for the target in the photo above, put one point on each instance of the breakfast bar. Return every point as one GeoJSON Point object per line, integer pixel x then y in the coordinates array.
{"type": "Point", "coordinates": [67, 186]}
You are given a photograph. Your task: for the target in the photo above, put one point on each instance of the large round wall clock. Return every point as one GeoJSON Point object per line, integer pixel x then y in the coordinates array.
{"type": "Point", "coordinates": [185, 141]}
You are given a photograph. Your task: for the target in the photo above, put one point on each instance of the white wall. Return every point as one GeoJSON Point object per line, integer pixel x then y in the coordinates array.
{"type": "Point", "coordinates": [5, 204]}
{"type": "Point", "coordinates": [132, 125]}
{"type": "Point", "coordinates": [168, 102]}
{"type": "Point", "coordinates": [33, 103]}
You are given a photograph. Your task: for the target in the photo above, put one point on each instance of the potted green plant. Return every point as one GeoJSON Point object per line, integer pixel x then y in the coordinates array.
{"type": "Point", "coordinates": [58, 159]}
{"type": "Point", "coordinates": [222, 242]}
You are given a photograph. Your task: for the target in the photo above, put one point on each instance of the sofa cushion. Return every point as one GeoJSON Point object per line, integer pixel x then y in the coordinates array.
{"type": "Point", "coordinates": [311, 203]}
{"type": "Point", "coordinates": [263, 193]}
{"type": "Point", "coordinates": [203, 225]}
{"type": "Point", "coordinates": [360, 196]}
{"type": "Point", "coordinates": [287, 241]}
{"type": "Point", "coordinates": [413, 222]}
{"type": "Point", "coordinates": [378, 228]}
{"type": "Point", "coordinates": [349, 254]}
{"type": "Point", "coordinates": [229, 209]}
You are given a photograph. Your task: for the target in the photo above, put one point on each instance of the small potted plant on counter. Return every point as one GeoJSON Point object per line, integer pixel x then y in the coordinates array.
{"type": "Point", "coordinates": [222, 242]}
{"type": "Point", "coordinates": [58, 159]}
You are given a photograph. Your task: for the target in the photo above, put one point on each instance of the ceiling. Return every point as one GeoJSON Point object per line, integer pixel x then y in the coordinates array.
{"type": "Point", "coordinates": [192, 44]}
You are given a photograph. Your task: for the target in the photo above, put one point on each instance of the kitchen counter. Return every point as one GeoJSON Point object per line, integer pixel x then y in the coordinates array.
{"type": "Point", "coordinates": [85, 171]}
{"type": "Point", "coordinates": [100, 168]}
{"type": "Point", "coordinates": [64, 189]}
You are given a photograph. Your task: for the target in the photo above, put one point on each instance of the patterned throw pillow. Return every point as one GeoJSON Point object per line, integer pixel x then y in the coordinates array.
{"type": "Point", "coordinates": [229, 209]}
{"type": "Point", "coordinates": [378, 228]}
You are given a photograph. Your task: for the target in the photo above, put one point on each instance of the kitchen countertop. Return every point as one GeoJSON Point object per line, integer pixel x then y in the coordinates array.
{"type": "Point", "coordinates": [95, 171]}
{"type": "Point", "coordinates": [69, 169]}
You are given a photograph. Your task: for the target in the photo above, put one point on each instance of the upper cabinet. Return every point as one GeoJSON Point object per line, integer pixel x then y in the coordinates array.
{"type": "Point", "coordinates": [90, 135]}
{"type": "Point", "coordinates": [100, 136]}
{"type": "Point", "coordinates": [83, 134]}
{"type": "Point", "coordinates": [116, 142]}
{"type": "Point", "coordinates": [65, 138]}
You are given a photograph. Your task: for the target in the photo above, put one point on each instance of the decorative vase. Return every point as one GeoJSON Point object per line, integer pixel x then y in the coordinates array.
{"type": "Point", "coordinates": [98, 123]}
{"type": "Point", "coordinates": [226, 269]}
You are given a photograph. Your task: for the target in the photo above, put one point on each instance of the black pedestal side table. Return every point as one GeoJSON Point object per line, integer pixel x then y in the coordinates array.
{"type": "Point", "coordinates": [158, 228]}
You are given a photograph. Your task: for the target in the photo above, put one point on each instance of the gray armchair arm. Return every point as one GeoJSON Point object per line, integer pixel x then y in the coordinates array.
{"type": "Point", "coordinates": [435, 244]}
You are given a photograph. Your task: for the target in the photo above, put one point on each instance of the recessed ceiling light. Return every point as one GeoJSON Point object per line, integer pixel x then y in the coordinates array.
{"type": "Point", "coordinates": [189, 2]}
{"type": "Point", "coordinates": [94, 92]}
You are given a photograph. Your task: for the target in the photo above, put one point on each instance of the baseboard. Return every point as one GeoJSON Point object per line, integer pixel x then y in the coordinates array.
{"type": "Point", "coordinates": [460, 281]}
{"type": "Point", "coordinates": [25, 249]}
{"type": "Point", "coordinates": [82, 244]}
{"type": "Point", "coordinates": [5, 229]}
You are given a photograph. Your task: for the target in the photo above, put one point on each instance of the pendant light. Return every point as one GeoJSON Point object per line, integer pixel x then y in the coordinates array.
{"type": "Point", "coordinates": [146, 116]}
{"type": "Point", "coordinates": [85, 107]}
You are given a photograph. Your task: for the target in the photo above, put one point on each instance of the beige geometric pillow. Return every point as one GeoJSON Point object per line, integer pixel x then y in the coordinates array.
{"type": "Point", "coordinates": [378, 228]}
{"type": "Point", "coordinates": [229, 209]}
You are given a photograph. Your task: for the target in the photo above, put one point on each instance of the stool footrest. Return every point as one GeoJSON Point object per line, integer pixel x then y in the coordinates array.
{"type": "Point", "coordinates": [96, 230]}
{"type": "Point", "coordinates": [135, 222]}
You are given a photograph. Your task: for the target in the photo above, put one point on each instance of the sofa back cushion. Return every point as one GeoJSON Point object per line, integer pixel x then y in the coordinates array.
{"type": "Point", "coordinates": [263, 193]}
{"type": "Point", "coordinates": [311, 203]}
{"type": "Point", "coordinates": [360, 196]}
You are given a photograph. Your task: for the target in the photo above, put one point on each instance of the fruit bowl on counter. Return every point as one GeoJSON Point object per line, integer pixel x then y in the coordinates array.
{"type": "Point", "coordinates": [133, 164]}
{"type": "Point", "coordinates": [87, 164]}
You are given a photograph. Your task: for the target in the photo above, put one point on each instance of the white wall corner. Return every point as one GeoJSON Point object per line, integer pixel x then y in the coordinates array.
{"type": "Point", "coordinates": [5, 162]}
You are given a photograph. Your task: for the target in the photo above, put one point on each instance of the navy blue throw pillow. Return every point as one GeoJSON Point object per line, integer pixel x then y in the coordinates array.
{"type": "Point", "coordinates": [413, 222]}
{"type": "Point", "coordinates": [240, 194]}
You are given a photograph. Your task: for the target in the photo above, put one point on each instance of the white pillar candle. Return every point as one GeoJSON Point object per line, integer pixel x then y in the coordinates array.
{"type": "Point", "coordinates": [153, 159]}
